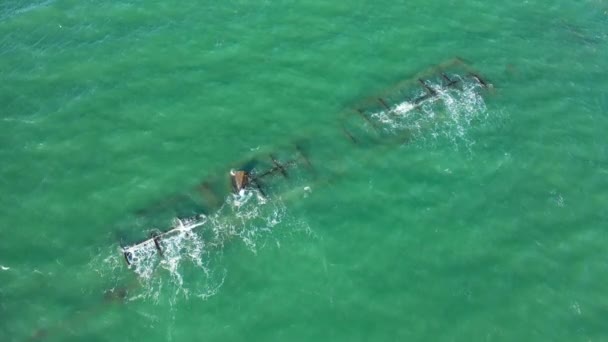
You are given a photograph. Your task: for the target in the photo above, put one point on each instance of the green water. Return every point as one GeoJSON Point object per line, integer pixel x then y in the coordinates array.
{"type": "Point", "coordinates": [488, 229]}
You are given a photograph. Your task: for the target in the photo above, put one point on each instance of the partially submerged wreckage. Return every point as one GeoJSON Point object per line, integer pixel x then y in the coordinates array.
{"type": "Point", "coordinates": [408, 97]}
{"type": "Point", "coordinates": [258, 172]}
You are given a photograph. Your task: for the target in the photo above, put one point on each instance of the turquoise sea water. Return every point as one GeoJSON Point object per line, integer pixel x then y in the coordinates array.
{"type": "Point", "coordinates": [487, 222]}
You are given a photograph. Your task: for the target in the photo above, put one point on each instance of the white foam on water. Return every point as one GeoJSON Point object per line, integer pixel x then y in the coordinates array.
{"type": "Point", "coordinates": [449, 115]}
{"type": "Point", "coordinates": [190, 264]}
{"type": "Point", "coordinates": [403, 108]}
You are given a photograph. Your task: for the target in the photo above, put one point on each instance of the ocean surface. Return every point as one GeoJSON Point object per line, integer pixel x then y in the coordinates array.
{"type": "Point", "coordinates": [477, 213]}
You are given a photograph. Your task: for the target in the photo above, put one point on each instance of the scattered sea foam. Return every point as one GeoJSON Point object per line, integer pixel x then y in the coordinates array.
{"type": "Point", "coordinates": [190, 264]}
{"type": "Point", "coordinates": [448, 115]}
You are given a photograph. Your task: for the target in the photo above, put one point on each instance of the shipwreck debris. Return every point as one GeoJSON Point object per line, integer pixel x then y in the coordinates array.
{"type": "Point", "coordinates": [411, 95]}
{"type": "Point", "coordinates": [415, 94]}
{"type": "Point", "coordinates": [240, 179]}
{"type": "Point", "coordinates": [256, 173]}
